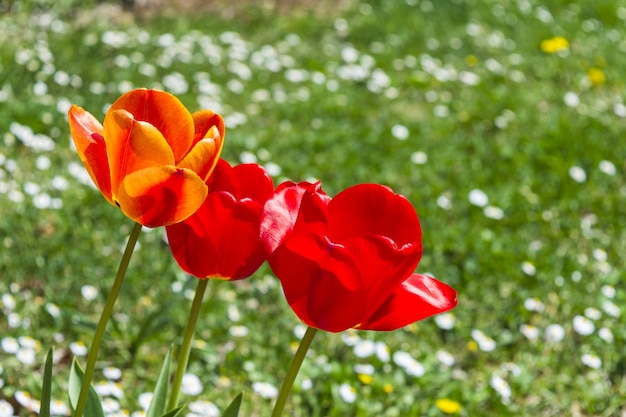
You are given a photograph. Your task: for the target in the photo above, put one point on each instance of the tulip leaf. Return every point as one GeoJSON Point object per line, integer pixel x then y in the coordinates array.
{"type": "Point", "coordinates": [233, 408]}
{"type": "Point", "coordinates": [93, 406]}
{"type": "Point", "coordinates": [175, 412]}
{"type": "Point", "coordinates": [46, 387]}
{"type": "Point", "coordinates": [159, 399]}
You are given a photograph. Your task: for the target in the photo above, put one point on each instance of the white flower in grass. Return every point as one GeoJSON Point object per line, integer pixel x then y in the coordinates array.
{"type": "Point", "coordinates": [445, 358]}
{"type": "Point", "coordinates": [203, 408]}
{"type": "Point", "coordinates": [529, 268]}
{"type": "Point", "coordinates": [26, 356]}
{"type": "Point", "coordinates": [478, 198]}
{"type": "Point", "coordinates": [10, 345]}
{"type": "Point", "coordinates": [493, 212]}
{"type": "Point", "coordinates": [347, 393]}
{"type": "Point", "coordinates": [419, 158]}
{"type": "Point", "coordinates": [583, 326]}
{"type": "Point", "coordinates": [445, 321]}
{"type": "Point", "coordinates": [382, 352]}
{"type": "Point", "coordinates": [59, 408]}
{"type": "Point", "coordinates": [306, 384]}
{"type": "Point", "coordinates": [501, 386]}
{"type": "Point", "coordinates": [191, 385]}
{"type": "Point", "coordinates": [144, 399]}
{"type": "Point", "coordinates": [578, 174]}
{"type": "Point", "coordinates": [27, 401]}
{"type": "Point", "coordinates": [485, 343]}
{"type": "Point", "coordinates": [608, 291]}
{"type": "Point", "coordinates": [554, 333]}
{"type": "Point", "coordinates": [265, 389]}
{"type": "Point", "coordinates": [364, 348]}
{"type": "Point", "coordinates": [593, 313]}
{"type": "Point", "coordinates": [571, 99]}
{"type": "Point", "coordinates": [6, 409]}
{"type": "Point", "coordinates": [606, 334]}
{"type": "Point", "coordinates": [534, 304]}
{"type": "Point", "coordinates": [411, 366]}
{"type": "Point", "coordinates": [78, 348]}
{"type": "Point", "coordinates": [530, 332]}
{"type": "Point", "coordinates": [89, 292]}
{"type": "Point", "coordinates": [607, 167]}
{"type": "Point", "coordinates": [611, 309]}
{"type": "Point", "coordinates": [112, 373]}
{"type": "Point", "coordinates": [591, 361]}
{"type": "Point", "coordinates": [365, 369]}
{"type": "Point", "coordinates": [238, 331]}
{"type": "Point", "coordinates": [400, 132]}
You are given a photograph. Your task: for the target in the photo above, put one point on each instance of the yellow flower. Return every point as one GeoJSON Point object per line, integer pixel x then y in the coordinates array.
{"type": "Point", "coordinates": [448, 406]}
{"type": "Point", "coordinates": [554, 45]}
{"type": "Point", "coordinates": [471, 60]}
{"type": "Point", "coordinates": [596, 76]}
{"type": "Point", "coordinates": [388, 388]}
{"type": "Point", "coordinates": [472, 346]}
{"type": "Point", "coordinates": [365, 379]}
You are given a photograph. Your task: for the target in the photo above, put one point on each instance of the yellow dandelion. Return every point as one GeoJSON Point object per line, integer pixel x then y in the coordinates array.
{"type": "Point", "coordinates": [472, 346]}
{"type": "Point", "coordinates": [365, 379]}
{"type": "Point", "coordinates": [471, 60]}
{"type": "Point", "coordinates": [554, 45]}
{"type": "Point", "coordinates": [388, 388]}
{"type": "Point", "coordinates": [448, 406]}
{"type": "Point", "coordinates": [596, 76]}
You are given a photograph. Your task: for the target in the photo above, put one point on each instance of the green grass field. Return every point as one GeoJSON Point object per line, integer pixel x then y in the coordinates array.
{"type": "Point", "coordinates": [510, 148]}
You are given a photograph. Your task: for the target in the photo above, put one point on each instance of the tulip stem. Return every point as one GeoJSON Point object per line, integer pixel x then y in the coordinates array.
{"type": "Point", "coordinates": [185, 349]}
{"type": "Point", "coordinates": [104, 318]}
{"type": "Point", "coordinates": [294, 368]}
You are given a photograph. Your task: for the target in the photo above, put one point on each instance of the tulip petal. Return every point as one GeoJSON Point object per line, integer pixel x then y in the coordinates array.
{"type": "Point", "coordinates": [321, 282]}
{"type": "Point", "coordinates": [204, 121]}
{"type": "Point", "coordinates": [417, 298]}
{"type": "Point", "coordinates": [280, 213]}
{"type": "Point", "coordinates": [221, 238]}
{"type": "Point", "coordinates": [160, 196]}
{"type": "Point", "coordinates": [383, 266]}
{"type": "Point", "coordinates": [373, 209]}
{"type": "Point", "coordinates": [133, 145]}
{"type": "Point", "coordinates": [87, 134]}
{"type": "Point", "coordinates": [255, 183]}
{"type": "Point", "coordinates": [202, 158]}
{"type": "Point", "coordinates": [163, 111]}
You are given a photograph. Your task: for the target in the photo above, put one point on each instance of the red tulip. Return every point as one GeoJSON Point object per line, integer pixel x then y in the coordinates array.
{"type": "Point", "coordinates": [348, 262]}
{"type": "Point", "coordinates": [151, 157]}
{"type": "Point", "coordinates": [221, 239]}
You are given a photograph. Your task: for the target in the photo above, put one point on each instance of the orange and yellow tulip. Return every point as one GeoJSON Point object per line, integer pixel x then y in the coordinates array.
{"type": "Point", "coordinates": [150, 157]}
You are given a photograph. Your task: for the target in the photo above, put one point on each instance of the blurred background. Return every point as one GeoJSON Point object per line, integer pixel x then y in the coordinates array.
{"type": "Point", "coordinates": [502, 121]}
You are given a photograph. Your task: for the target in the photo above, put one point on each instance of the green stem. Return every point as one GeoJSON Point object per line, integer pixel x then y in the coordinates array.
{"type": "Point", "coordinates": [104, 318]}
{"type": "Point", "coordinates": [296, 362]}
{"type": "Point", "coordinates": [185, 349]}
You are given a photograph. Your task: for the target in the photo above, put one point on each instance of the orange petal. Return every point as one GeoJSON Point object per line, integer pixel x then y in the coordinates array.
{"type": "Point", "coordinates": [163, 111]}
{"type": "Point", "coordinates": [203, 121]}
{"type": "Point", "coordinates": [161, 196]}
{"type": "Point", "coordinates": [132, 146]}
{"type": "Point", "coordinates": [87, 134]}
{"type": "Point", "coordinates": [203, 157]}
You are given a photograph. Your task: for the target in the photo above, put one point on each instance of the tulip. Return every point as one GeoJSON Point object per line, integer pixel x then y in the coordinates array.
{"type": "Point", "coordinates": [349, 261]}
{"type": "Point", "coordinates": [221, 239]}
{"type": "Point", "coordinates": [150, 157]}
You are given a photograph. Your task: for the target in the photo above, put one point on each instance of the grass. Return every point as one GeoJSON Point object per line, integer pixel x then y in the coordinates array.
{"type": "Point", "coordinates": [435, 99]}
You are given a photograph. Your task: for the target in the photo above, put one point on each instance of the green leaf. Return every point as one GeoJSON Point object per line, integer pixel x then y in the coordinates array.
{"type": "Point", "coordinates": [233, 408]}
{"type": "Point", "coordinates": [159, 399]}
{"type": "Point", "coordinates": [175, 412]}
{"type": "Point", "coordinates": [46, 387]}
{"type": "Point", "coordinates": [93, 406]}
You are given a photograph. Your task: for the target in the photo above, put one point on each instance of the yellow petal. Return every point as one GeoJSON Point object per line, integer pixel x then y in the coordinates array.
{"type": "Point", "coordinates": [161, 196]}
{"type": "Point", "coordinates": [133, 145]}
{"type": "Point", "coordinates": [203, 157]}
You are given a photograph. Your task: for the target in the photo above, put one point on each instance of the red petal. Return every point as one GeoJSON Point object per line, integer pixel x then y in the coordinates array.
{"type": "Point", "coordinates": [373, 209]}
{"type": "Point", "coordinates": [88, 137]}
{"type": "Point", "coordinates": [221, 238]}
{"type": "Point", "coordinates": [160, 196]}
{"type": "Point", "coordinates": [321, 281]}
{"type": "Point", "coordinates": [281, 211]}
{"type": "Point", "coordinates": [383, 266]}
{"type": "Point", "coordinates": [163, 111]}
{"type": "Point", "coordinates": [417, 298]}
{"type": "Point", "coordinates": [255, 183]}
